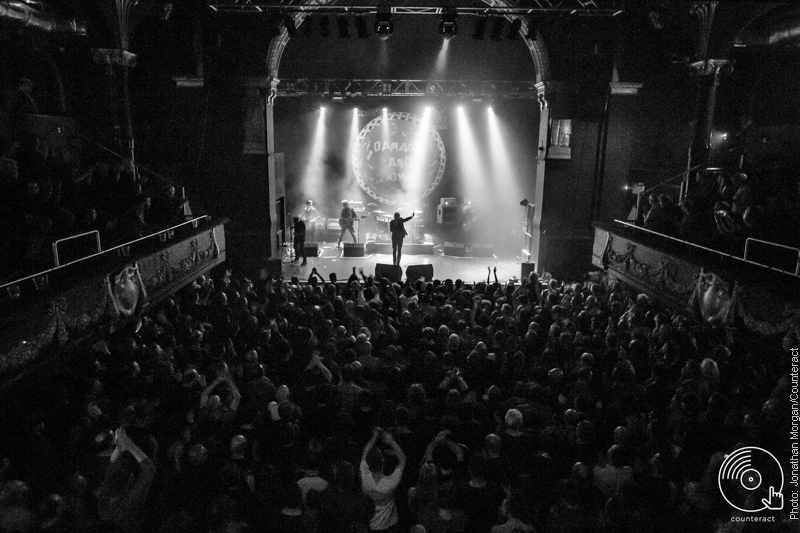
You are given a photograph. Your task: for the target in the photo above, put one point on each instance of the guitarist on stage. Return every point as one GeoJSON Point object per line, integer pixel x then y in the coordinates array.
{"type": "Point", "coordinates": [346, 222]}
{"type": "Point", "coordinates": [310, 217]}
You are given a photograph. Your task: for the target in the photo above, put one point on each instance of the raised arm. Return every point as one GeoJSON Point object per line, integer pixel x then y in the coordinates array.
{"type": "Point", "coordinates": [207, 391]}
{"type": "Point", "coordinates": [316, 361]}
{"type": "Point", "coordinates": [371, 443]}
{"type": "Point", "coordinates": [388, 438]}
{"type": "Point", "coordinates": [317, 274]}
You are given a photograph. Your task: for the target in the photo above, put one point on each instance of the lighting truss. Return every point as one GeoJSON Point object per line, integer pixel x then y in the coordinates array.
{"type": "Point", "coordinates": [591, 8]}
{"type": "Point", "coordinates": [349, 88]}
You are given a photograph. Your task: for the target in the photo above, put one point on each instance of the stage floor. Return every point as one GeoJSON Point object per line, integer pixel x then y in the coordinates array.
{"type": "Point", "coordinates": [469, 269]}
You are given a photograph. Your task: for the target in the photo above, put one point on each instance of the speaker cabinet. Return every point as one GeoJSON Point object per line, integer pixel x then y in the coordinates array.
{"type": "Point", "coordinates": [415, 272]}
{"type": "Point", "coordinates": [312, 249]}
{"type": "Point", "coordinates": [482, 250]}
{"type": "Point", "coordinates": [527, 268]}
{"type": "Point", "coordinates": [353, 249]}
{"type": "Point", "coordinates": [391, 272]}
{"type": "Point", "coordinates": [448, 214]}
{"type": "Point", "coordinates": [454, 249]}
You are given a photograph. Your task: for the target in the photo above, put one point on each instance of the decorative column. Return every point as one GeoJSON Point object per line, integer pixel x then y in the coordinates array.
{"type": "Point", "coordinates": [258, 169]}
{"type": "Point", "coordinates": [615, 146]}
{"type": "Point", "coordinates": [120, 60]}
{"type": "Point", "coordinates": [535, 238]}
{"type": "Point", "coordinates": [708, 73]}
{"type": "Point", "coordinates": [274, 165]}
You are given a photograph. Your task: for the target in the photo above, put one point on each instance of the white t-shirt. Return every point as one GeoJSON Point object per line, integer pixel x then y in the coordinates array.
{"type": "Point", "coordinates": [382, 493]}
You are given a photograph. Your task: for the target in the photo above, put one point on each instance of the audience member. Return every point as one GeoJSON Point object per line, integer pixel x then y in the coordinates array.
{"type": "Point", "coordinates": [247, 403]}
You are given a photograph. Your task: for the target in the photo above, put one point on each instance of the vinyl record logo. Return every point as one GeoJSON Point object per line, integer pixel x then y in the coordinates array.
{"type": "Point", "coordinates": [751, 480]}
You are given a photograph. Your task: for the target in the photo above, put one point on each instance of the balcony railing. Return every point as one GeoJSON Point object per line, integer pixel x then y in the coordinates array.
{"type": "Point", "coordinates": [41, 279]}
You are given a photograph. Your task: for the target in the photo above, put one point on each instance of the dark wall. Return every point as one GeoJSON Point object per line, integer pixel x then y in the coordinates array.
{"type": "Point", "coordinates": [615, 200]}
{"type": "Point", "coordinates": [568, 183]}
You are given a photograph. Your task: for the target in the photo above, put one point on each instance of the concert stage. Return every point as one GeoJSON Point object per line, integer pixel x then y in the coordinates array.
{"type": "Point", "coordinates": [468, 269]}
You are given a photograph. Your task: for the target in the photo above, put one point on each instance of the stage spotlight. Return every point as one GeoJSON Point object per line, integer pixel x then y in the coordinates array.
{"type": "Point", "coordinates": [322, 109]}
{"type": "Point", "coordinates": [461, 108]}
{"type": "Point", "coordinates": [384, 25]}
{"type": "Point", "coordinates": [497, 29]}
{"type": "Point", "coordinates": [448, 27]}
{"type": "Point", "coordinates": [324, 27]}
{"type": "Point", "coordinates": [344, 26]}
{"type": "Point", "coordinates": [361, 26]}
{"type": "Point", "coordinates": [480, 28]}
{"type": "Point", "coordinates": [489, 109]}
{"type": "Point", "coordinates": [513, 31]}
{"type": "Point", "coordinates": [288, 22]}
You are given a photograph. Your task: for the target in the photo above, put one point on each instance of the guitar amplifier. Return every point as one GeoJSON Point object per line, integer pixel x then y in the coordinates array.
{"type": "Point", "coordinates": [333, 223]}
{"type": "Point", "coordinates": [448, 214]}
{"type": "Point", "coordinates": [353, 249]}
{"type": "Point", "coordinates": [482, 250]}
{"type": "Point", "coordinates": [312, 249]}
{"type": "Point", "coordinates": [454, 249]}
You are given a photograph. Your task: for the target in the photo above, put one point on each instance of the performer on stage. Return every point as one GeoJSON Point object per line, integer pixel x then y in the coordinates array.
{"type": "Point", "coordinates": [346, 219]}
{"type": "Point", "coordinates": [299, 240]}
{"type": "Point", "coordinates": [310, 217]}
{"type": "Point", "coordinates": [396, 226]}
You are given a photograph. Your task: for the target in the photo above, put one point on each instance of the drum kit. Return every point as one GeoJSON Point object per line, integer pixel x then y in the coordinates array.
{"type": "Point", "coordinates": [414, 227]}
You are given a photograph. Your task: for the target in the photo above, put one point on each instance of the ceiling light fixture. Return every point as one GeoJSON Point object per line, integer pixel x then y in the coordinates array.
{"type": "Point", "coordinates": [383, 24]}
{"type": "Point", "coordinates": [448, 27]}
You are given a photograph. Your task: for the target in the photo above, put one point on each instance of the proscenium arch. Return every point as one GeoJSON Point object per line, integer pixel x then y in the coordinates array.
{"type": "Point", "coordinates": [536, 47]}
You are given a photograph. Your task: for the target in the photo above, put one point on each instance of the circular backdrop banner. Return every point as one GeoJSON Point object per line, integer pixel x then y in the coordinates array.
{"type": "Point", "coordinates": [398, 159]}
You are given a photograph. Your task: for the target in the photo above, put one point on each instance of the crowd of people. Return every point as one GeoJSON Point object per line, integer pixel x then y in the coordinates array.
{"type": "Point", "coordinates": [55, 192]}
{"type": "Point", "coordinates": [362, 405]}
{"type": "Point", "coordinates": [724, 209]}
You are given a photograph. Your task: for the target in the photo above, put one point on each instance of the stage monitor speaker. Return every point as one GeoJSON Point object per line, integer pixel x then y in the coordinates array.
{"type": "Point", "coordinates": [391, 272]}
{"type": "Point", "coordinates": [482, 249]}
{"type": "Point", "coordinates": [312, 249]}
{"type": "Point", "coordinates": [448, 214]}
{"type": "Point", "coordinates": [527, 268]}
{"type": "Point", "coordinates": [415, 272]}
{"type": "Point", "coordinates": [454, 249]}
{"type": "Point", "coordinates": [353, 249]}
